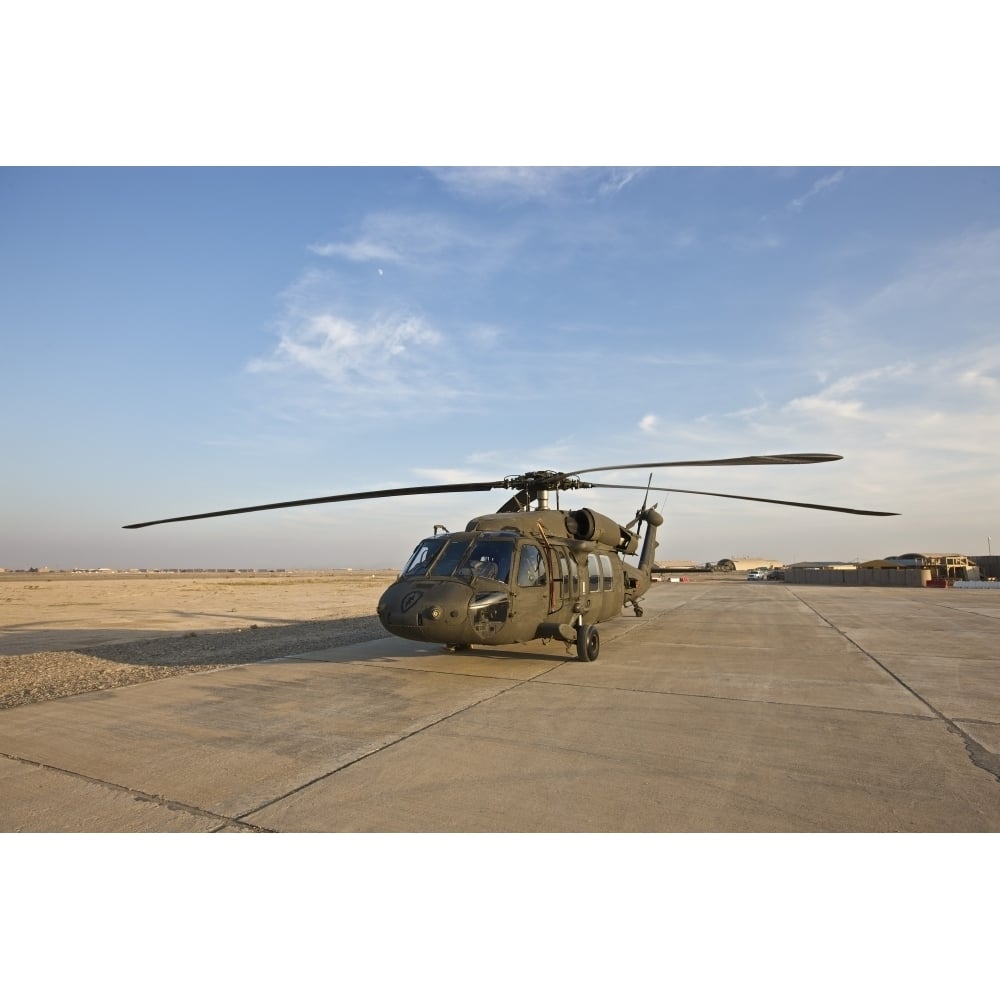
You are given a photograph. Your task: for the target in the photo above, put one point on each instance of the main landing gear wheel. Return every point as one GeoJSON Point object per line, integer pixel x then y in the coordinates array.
{"type": "Point", "coordinates": [588, 643]}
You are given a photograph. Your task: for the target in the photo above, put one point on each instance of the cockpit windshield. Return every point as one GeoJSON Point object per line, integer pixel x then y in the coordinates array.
{"type": "Point", "coordinates": [448, 561]}
{"type": "Point", "coordinates": [465, 558]}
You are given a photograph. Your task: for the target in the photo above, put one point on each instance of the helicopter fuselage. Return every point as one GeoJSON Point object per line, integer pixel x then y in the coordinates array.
{"type": "Point", "coordinates": [518, 576]}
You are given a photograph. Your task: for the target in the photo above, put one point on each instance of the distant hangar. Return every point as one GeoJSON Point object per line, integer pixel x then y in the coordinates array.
{"type": "Point", "coordinates": [911, 569]}
{"type": "Point", "coordinates": [943, 565]}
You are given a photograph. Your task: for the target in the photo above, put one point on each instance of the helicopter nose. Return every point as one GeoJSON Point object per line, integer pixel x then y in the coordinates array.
{"type": "Point", "coordinates": [415, 610]}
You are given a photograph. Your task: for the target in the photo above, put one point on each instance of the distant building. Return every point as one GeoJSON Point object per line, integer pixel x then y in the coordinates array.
{"type": "Point", "coordinates": [942, 565]}
{"type": "Point", "coordinates": [818, 564]}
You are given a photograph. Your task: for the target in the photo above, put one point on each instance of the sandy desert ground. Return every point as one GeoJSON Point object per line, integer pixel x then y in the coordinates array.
{"type": "Point", "coordinates": [63, 634]}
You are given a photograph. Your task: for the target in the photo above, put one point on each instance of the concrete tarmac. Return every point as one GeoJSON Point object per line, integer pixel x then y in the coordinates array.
{"type": "Point", "coordinates": [730, 706]}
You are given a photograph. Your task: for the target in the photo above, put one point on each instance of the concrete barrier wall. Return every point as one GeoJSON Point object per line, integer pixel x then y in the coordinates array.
{"type": "Point", "coordinates": [859, 577]}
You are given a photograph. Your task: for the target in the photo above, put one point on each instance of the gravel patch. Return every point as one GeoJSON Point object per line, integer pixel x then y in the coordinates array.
{"type": "Point", "coordinates": [38, 677]}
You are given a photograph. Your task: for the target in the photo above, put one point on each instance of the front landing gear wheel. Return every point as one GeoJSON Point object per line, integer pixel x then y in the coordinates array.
{"type": "Point", "coordinates": [458, 647]}
{"type": "Point", "coordinates": [588, 643]}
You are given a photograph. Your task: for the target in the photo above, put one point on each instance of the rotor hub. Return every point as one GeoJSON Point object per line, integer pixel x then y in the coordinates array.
{"type": "Point", "coordinates": [543, 480]}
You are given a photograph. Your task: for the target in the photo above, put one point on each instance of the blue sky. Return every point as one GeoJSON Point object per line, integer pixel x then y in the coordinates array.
{"type": "Point", "coordinates": [182, 340]}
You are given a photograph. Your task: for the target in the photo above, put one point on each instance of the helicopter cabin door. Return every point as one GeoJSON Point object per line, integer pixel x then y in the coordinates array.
{"type": "Point", "coordinates": [537, 587]}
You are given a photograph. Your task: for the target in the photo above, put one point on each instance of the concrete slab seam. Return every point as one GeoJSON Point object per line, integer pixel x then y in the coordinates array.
{"type": "Point", "coordinates": [977, 753]}
{"type": "Point", "coordinates": [387, 745]}
{"type": "Point", "coordinates": [142, 796]}
{"type": "Point", "coordinates": [751, 701]}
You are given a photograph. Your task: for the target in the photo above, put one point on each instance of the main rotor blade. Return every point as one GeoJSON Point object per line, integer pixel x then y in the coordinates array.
{"type": "Point", "coordinates": [404, 491]}
{"type": "Point", "coordinates": [736, 496]}
{"type": "Point", "coordinates": [807, 458]}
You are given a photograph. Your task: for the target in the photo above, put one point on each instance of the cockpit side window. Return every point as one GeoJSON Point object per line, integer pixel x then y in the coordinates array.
{"type": "Point", "coordinates": [531, 570]}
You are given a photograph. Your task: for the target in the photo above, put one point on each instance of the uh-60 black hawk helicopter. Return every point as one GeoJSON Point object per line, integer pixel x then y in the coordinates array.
{"type": "Point", "coordinates": [528, 573]}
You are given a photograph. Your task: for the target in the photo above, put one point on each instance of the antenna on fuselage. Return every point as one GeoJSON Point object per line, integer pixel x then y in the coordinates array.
{"type": "Point", "coordinates": [642, 510]}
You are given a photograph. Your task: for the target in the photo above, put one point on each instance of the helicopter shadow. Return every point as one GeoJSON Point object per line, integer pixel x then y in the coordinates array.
{"type": "Point", "coordinates": [173, 648]}
{"type": "Point", "coordinates": [418, 655]}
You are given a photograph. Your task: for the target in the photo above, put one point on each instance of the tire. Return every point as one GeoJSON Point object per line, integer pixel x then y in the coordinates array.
{"type": "Point", "coordinates": [588, 643]}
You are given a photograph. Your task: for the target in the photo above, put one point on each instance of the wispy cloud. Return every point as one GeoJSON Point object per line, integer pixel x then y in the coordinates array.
{"type": "Point", "coordinates": [923, 431]}
{"type": "Point", "coordinates": [618, 178]}
{"type": "Point", "coordinates": [977, 380]}
{"type": "Point", "coordinates": [824, 184]}
{"type": "Point", "coordinates": [485, 466]}
{"type": "Point", "coordinates": [535, 183]}
{"type": "Point", "coordinates": [843, 396]}
{"type": "Point", "coordinates": [947, 293]}
{"type": "Point", "coordinates": [506, 182]}
{"type": "Point", "coordinates": [383, 355]}
{"type": "Point", "coordinates": [427, 243]}
{"type": "Point", "coordinates": [903, 380]}
{"type": "Point", "coordinates": [411, 239]}
{"type": "Point", "coordinates": [961, 273]}
{"type": "Point", "coordinates": [361, 249]}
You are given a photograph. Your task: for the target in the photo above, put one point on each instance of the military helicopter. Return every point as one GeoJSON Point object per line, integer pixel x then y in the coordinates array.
{"type": "Point", "coordinates": [528, 573]}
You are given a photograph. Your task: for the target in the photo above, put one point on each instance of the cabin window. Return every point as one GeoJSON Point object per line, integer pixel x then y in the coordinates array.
{"type": "Point", "coordinates": [609, 581]}
{"type": "Point", "coordinates": [570, 576]}
{"type": "Point", "coordinates": [594, 569]}
{"type": "Point", "coordinates": [531, 569]}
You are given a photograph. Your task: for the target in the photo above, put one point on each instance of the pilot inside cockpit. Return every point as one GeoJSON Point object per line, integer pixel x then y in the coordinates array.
{"type": "Point", "coordinates": [489, 559]}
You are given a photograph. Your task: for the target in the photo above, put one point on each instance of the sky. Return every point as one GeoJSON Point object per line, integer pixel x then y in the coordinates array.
{"type": "Point", "coordinates": [180, 340]}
